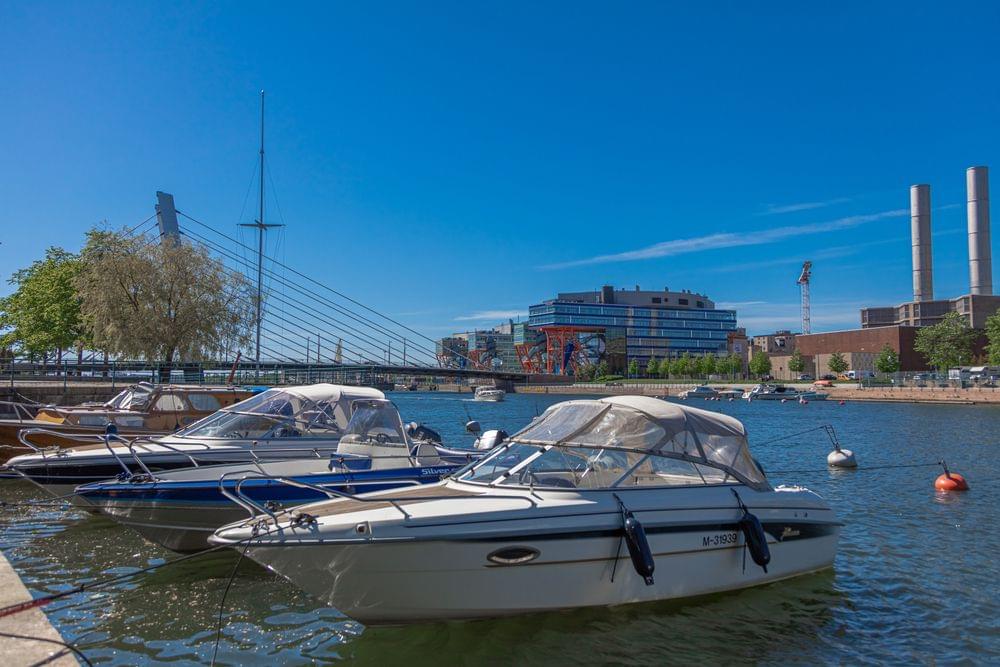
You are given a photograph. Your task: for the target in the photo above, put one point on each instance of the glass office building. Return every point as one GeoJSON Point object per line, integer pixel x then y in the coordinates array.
{"type": "Point", "coordinates": [618, 326]}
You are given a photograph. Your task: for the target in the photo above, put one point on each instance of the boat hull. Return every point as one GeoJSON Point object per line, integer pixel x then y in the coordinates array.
{"type": "Point", "coordinates": [182, 516]}
{"type": "Point", "coordinates": [425, 581]}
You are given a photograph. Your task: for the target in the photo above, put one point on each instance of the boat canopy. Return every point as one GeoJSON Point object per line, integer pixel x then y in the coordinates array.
{"type": "Point", "coordinates": [318, 410]}
{"type": "Point", "coordinates": [636, 437]}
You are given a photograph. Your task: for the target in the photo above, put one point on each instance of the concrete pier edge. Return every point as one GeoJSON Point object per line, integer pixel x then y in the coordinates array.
{"type": "Point", "coordinates": [30, 623]}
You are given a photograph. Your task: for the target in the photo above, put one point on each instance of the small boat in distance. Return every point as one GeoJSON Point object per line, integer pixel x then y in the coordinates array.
{"type": "Point", "coordinates": [701, 391]}
{"type": "Point", "coordinates": [143, 409]}
{"type": "Point", "coordinates": [594, 503]}
{"type": "Point", "coordinates": [489, 393]}
{"type": "Point", "coordinates": [779, 392]}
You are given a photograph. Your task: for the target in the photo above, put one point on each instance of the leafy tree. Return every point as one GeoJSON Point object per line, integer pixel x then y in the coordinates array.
{"type": "Point", "coordinates": [43, 313]}
{"type": "Point", "coordinates": [164, 301]}
{"type": "Point", "coordinates": [633, 368]}
{"type": "Point", "coordinates": [993, 338]}
{"type": "Point", "coordinates": [585, 372]}
{"type": "Point", "coordinates": [796, 363]}
{"type": "Point", "coordinates": [652, 367]}
{"type": "Point", "coordinates": [760, 363]}
{"type": "Point", "coordinates": [709, 364]}
{"type": "Point", "coordinates": [666, 368]}
{"type": "Point", "coordinates": [887, 360]}
{"type": "Point", "coordinates": [602, 369]}
{"type": "Point", "coordinates": [683, 366]}
{"type": "Point", "coordinates": [948, 343]}
{"type": "Point", "coordinates": [837, 363]}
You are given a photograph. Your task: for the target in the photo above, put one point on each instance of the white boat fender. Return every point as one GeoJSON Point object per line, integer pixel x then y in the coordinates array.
{"type": "Point", "coordinates": [638, 546]}
{"type": "Point", "coordinates": [754, 538]}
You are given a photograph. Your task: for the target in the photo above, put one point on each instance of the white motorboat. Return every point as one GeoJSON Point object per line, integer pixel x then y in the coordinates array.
{"type": "Point", "coordinates": [701, 391]}
{"type": "Point", "coordinates": [597, 502]}
{"type": "Point", "coordinates": [489, 393]}
{"type": "Point", "coordinates": [180, 509]}
{"type": "Point", "coordinates": [290, 422]}
{"type": "Point", "coordinates": [779, 392]}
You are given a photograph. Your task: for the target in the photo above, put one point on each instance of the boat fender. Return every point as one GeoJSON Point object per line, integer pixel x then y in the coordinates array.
{"type": "Point", "coordinates": [754, 538]}
{"type": "Point", "coordinates": [638, 548]}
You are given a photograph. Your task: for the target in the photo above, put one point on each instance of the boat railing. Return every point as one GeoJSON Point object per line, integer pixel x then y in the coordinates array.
{"type": "Point", "coordinates": [256, 509]}
{"type": "Point", "coordinates": [25, 434]}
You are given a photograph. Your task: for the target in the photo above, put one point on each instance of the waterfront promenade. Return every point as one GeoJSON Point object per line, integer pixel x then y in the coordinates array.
{"type": "Point", "coordinates": [47, 648]}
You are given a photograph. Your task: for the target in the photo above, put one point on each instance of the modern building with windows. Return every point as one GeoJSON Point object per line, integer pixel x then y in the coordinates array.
{"type": "Point", "coordinates": [619, 326]}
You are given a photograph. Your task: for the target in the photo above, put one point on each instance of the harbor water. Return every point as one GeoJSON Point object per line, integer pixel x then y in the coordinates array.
{"type": "Point", "coordinates": [915, 578]}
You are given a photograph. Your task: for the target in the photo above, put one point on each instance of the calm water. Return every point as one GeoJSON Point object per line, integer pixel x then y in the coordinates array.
{"type": "Point", "coordinates": [915, 577]}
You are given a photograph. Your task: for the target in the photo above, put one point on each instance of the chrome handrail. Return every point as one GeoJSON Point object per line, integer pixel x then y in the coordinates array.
{"type": "Point", "coordinates": [23, 434]}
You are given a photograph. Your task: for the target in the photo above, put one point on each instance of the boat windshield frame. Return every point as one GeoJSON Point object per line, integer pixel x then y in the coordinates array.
{"type": "Point", "coordinates": [333, 429]}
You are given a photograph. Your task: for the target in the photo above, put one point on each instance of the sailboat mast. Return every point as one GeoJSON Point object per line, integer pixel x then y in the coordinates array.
{"type": "Point", "coordinates": [260, 234]}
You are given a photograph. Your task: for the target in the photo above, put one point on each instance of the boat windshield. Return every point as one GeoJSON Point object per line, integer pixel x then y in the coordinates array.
{"type": "Point", "coordinates": [597, 445]}
{"type": "Point", "coordinates": [275, 413]}
{"type": "Point", "coordinates": [374, 422]}
{"type": "Point", "coordinates": [133, 398]}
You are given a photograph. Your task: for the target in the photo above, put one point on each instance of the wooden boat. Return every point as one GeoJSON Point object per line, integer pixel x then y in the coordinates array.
{"type": "Point", "coordinates": [141, 410]}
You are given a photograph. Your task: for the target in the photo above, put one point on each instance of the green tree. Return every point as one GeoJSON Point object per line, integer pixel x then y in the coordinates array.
{"type": "Point", "coordinates": [710, 364]}
{"type": "Point", "coordinates": [948, 343]}
{"type": "Point", "coordinates": [837, 363]}
{"type": "Point", "coordinates": [163, 301]}
{"type": "Point", "coordinates": [760, 363]}
{"type": "Point", "coordinates": [887, 360]}
{"type": "Point", "coordinates": [42, 315]}
{"type": "Point", "coordinates": [602, 369]}
{"type": "Point", "coordinates": [993, 338]}
{"type": "Point", "coordinates": [796, 363]}
{"type": "Point", "coordinates": [684, 366]}
{"type": "Point", "coordinates": [666, 368]}
{"type": "Point", "coordinates": [633, 368]}
{"type": "Point", "coordinates": [585, 372]}
{"type": "Point", "coordinates": [652, 367]}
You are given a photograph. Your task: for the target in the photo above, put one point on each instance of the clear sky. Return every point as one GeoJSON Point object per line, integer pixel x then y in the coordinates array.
{"type": "Point", "coordinates": [453, 163]}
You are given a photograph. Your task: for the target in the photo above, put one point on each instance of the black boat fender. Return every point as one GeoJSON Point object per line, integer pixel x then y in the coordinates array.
{"type": "Point", "coordinates": [754, 538]}
{"type": "Point", "coordinates": [638, 546]}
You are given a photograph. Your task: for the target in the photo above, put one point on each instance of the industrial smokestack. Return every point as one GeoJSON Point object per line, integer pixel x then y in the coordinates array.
{"type": "Point", "coordinates": [920, 231]}
{"type": "Point", "coordinates": [977, 183]}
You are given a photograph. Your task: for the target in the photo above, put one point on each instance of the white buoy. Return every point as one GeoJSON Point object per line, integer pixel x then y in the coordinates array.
{"type": "Point", "coordinates": [784, 400]}
{"type": "Point", "coordinates": [841, 458]}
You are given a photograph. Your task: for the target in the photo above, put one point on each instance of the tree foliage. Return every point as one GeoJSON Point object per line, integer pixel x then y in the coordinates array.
{"type": "Point", "coordinates": [760, 363]}
{"type": "Point", "coordinates": [585, 372]}
{"type": "Point", "coordinates": [993, 338]}
{"type": "Point", "coordinates": [837, 364]}
{"type": "Point", "coordinates": [796, 363]}
{"type": "Point", "coordinates": [948, 343]}
{"type": "Point", "coordinates": [652, 367]}
{"type": "Point", "coordinates": [168, 301]}
{"type": "Point", "coordinates": [43, 313]}
{"type": "Point", "coordinates": [887, 360]}
{"type": "Point", "coordinates": [633, 368]}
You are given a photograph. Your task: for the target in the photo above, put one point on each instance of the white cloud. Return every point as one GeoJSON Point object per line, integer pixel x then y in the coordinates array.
{"type": "Point", "coordinates": [730, 240]}
{"type": "Point", "coordinates": [492, 315]}
{"type": "Point", "coordinates": [803, 206]}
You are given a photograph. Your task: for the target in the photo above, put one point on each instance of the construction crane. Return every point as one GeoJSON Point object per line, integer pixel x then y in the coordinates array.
{"type": "Point", "coordinates": [803, 282]}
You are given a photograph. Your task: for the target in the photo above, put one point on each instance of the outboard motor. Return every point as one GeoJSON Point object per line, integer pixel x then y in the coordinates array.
{"type": "Point", "coordinates": [754, 537]}
{"type": "Point", "coordinates": [490, 439]}
{"type": "Point", "coordinates": [424, 433]}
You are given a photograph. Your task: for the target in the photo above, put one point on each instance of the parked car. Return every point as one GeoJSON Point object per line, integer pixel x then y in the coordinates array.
{"type": "Point", "coordinates": [829, 377]}
{"type": "Point", "coordinates": [804, 377]}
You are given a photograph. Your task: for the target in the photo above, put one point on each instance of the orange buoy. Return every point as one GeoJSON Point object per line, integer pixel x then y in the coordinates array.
{"type": "Point", "coordinates": [951, 481]}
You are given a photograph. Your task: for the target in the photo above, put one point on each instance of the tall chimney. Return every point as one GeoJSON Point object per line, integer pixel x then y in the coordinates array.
{"type": "Point", "coordinates": [977, 183]}
{"type": "Point", "coordinates": [920, 232]}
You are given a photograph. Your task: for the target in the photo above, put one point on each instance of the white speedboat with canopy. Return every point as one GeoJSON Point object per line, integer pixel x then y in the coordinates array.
{"type": "Point", "coordinates": [596, 502]}
{"type": "Point", "coordinates": [283, 423]}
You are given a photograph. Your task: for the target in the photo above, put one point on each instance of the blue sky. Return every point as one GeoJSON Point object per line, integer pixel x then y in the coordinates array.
{"type": "Point", "coordinates": [452, 163]}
